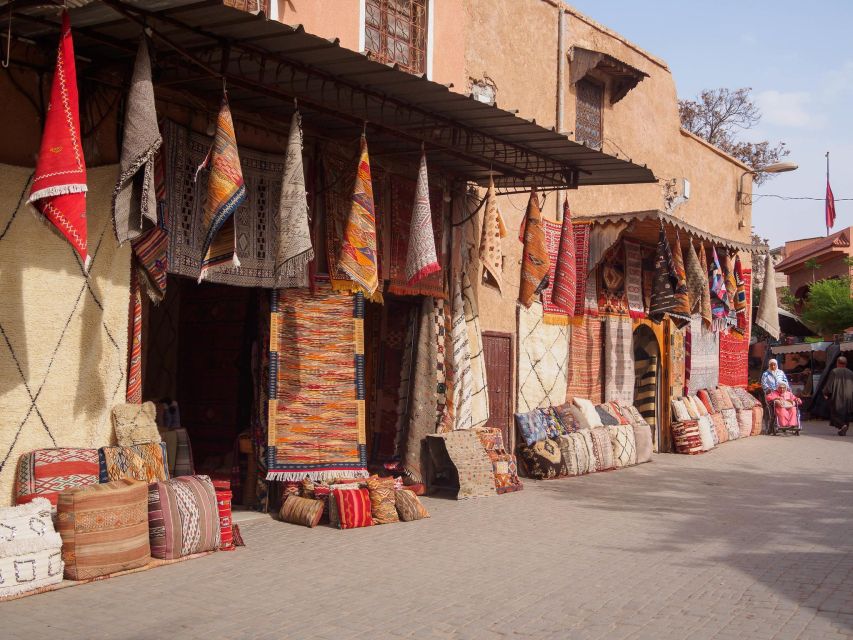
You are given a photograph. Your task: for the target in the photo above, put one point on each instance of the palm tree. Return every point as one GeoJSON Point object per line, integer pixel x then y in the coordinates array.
{"type": "Point", "coordinates": [814, 265]}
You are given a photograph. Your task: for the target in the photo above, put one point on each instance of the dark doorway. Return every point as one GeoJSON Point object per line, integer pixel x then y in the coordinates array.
{"type": "Point", "coordinates": [497, 352]}
{"type": "Point", "coordinates": [647, 370]}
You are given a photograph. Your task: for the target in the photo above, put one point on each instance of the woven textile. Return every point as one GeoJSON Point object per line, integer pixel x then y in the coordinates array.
{"type": "Point", "coordinates": [134, 198]}
{"type": "Point", "coordinates": [409, 507]}
{"type": "Point", "coordinates": [535, 263]}
{"type": "Point", "coordinates": [479, 382]}
{"type": "Point", "coordinates": [359, 258]}
{"type": "Point", "coordinates": [30, 549]}
{"type": "Point", "coordinates": [304, 511]}
{"type": "Point", "coordinates": [695, 280]}
{"type": "Point", "coordinates": [316, 416]}
{"type": "Point", "coordinates": [134, 339]}
{"type": "Point", "coordinates": [681, 312]}
{"type": "Point", "coordinates": [604, 458]}
{"type": "Point", "coordinates": [679, 411]}
{"type": "Point", "coordinates": [491, 251]}
{"type": "Point", "coordinates": [226, 191]}
{"type": "Point", "coordinates": [183, 517]}
{"type": "Point", "coordinates": [744, 420]}
{"type": "Point", "coordinates": [706, 399]}
{"type": "Point", "coordinates": [586, 414]}
{"type": "Point", "coordinates": [585, 358]}
{"type": "Point", "coordinates": [45, 472]}
{"type": "Point", "coordinates": [734, 349]}
{"type": "Point", "coordinates": [353, 508]}
{"type": "Point", "coordinates": [460, 361]}
{"type": "Point", "coordinates": [731, 288]}
{"type": "Point", "coordinates": [403, 194]}
{"type": "Point", "coordinates": [475, 470]}
{"type": "Point", "coordinates": [677, 361]}
{"type": "Point", "coordinates": [686, 437]}
{"type": "Point", "coordinates": [421, 256]}
{"type": "Point", "coordinates": [294, 250]}
{"type": "Point", "coordinates": [720, 295]}
{"type": "Point", "coordinates": [757, 420]}
{"type": "Point", "coordinates": [505, 469]}
{"type": "Point", "coordinates": [581, 232]}
{"type": "Point", "coordinates": [612, 297]}
{"type": "Point", "coordinates": [605, 416]}
{"type": "Point", "coordinates": [560, 243]}
{"type": "Point", "coordinates": [135, 424]}
{"type": "Point", "coordinates": [642, 435]}
{"type": "Point", "coordinates": [146, 462]}
{"type": "Point", "coordinates": [624, 445]}
{"type": "Point", "coordinates": [704, 370]}
{"type": "Point", "coordinates": [634, 279]}
{"type": "Point", "coordinates": [532, 426]}
{"type": "Point", "coordinates": [706, 432]}
{"type": "Point", "coordinates": [590, 300]}
{"type": "Point", "coordinates": [543, 352]}
{"type": "Point", "coordinates": [223, 507]}
{"type": "Point", "coordinates": [566, 418]}
{"type": "Point", "coordinates": [721, 431]}
{"type": "Point", "coordinates": [705, 302]}
{"type": "Point", "coordinates": [382, 492]}
{"type": "Point", "coordinates": [151, 248]}
{"type": "Point", "coordinates": [59, 183]}
{"type": "Point", "coordinates": [663, 300]}
{"type": "Point", "coordinates": [543, 460]}
{"type": "Point", "coordinates": [645, 396]}
{"type": "Point", "coordinates": [618, 360]}
{"type": "Point", "coordinates": [576, 455]}
{"type": "Point", "coordinates": [553, 425]}
{"type": "Point", "coordinates": [104, 528]}
{"type": "Point", "coordinates": [730, 420]}
{"type": "Point", "coordinates": [768, 308]}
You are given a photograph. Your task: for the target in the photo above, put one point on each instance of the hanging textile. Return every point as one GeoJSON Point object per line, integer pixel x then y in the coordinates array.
{"type": "Point", "coordinates": [741, 310]}
{"type": "Point", "coordinates": [479, 382]}
{"type": "Point", "coordinates": [463, 380]}
{"type": "Point", "coordinates": [704, 352]}
{"type": "Point", "coordinates": [695, 280]}
{"type": "Point", "coordinates": [584, 376]}
{"type": "Point", "coordinates": [491, 251]}
{"type": "Point", "coordinates": [543, 353]}
{"type": "Point", "coordinates": [612, 298]}
{"type": "Point", "coordinates": [359, 257]}
{"type": "Point", "coordinates": [601, 239]}
{"type": "Point", "coordinates": [677, 357]}
{"type": "Point", "coordinates": [564, 276]}
{"type": "Point", "coordinates": [618, 360]}
{"type": "Point", "coordinates": [719, 301]}
{"type": "Point", "coordinates": [554, 313]}
{"type": "Point", "coordinates": [134, 349]}
{"type": "Point", "coordinates": [663, 300]}
{"type": "Point", "coordinates": [581, 233]}
{"type": "Point", "coordinates": [534, 261]}
{"type": "Point", "coordinates": [590, 303]}
{"type": "Point", "coordinates": [294, 250]}
{"type": "Point", "coordinates": [634, 279]}
{"type": "Point", "coordinates": [645, 397]}
{"type": "Point", "coordinates": [705, 307]}
{"type": "Point", "coordinates": [768, 308]}
{"type": "Point", "coordinates": [134, 198]}
{"type": "Point", "coordinates": [151, 248]}
{"type": "Point", "coordinates": [731, 289]}
{"type": "Point", "coordinates": [734, 350]}
{"type": "Point", "coordinates": [421, 257]}
{"type": "Point", "coordinates": [681, 313]}
{"type": "Point", "coordinates": [58, 190]}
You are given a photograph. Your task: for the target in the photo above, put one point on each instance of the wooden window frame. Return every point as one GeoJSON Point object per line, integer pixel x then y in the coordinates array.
{"type": "Point", "coordinates": [603, 87]}
{"type": "Point", "coordinates": [375, 19]}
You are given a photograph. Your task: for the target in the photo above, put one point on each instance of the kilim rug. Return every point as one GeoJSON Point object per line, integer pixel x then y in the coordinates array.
{"type": "Point", "coordinates": [677, 354]}
{"type": "Point", "coordinates": [634, 279]}
{"type": "Point", "coordinates": [740, 296]}
{"type": "Point", "coordinates": [681, 313]}
{"type": "Point", "coordinates": [316, 409]}
{"type": "Point", "coordinates": [402, 197]}
{"type": "Point", "coordinates": [581, 233]}
{"type": "Point", "coordinates": [543, 353]}
{"type": "Point", "coordinates": [612, 298]}
{"type": "Point", "coordinates": [564, 282]}
{"type": "Point", "coordinates": [479, 383]}
{"type": "Point", "coordinates": [475, 469]}
{"type": "Point", "coordinates": [645, 397]}
{"type": "Point", "coordinates": [696, 280]}
{"type": "Point", "coordinates": [63, 338]}
{"type": "Point", "coordinates": [601, 239]}
{"type": "Point", "coordinates": [704, 370]}
{"type": "Point", "coordinates": [618, 360]}
{"type": "Point", "coordinates": [255, 221]}
{"type": "Point", "coordinates": [585, 357]}
{"type": "Point", "coordinates": [705, 303]}
{"type": "Point", "coordinates": [491, 251]}
{"type": "Point", "coordinates": [734, 347]}
{"type": "Point", "coordinates": [663, 300]}
{"type": "Point", "coordinates": [463, 380]}
{"type": "Point", "coordinates": [421, 256]}
{"type": "Point", "coordinates": [535, 263]}
{"type": "Point", "coordinates": [553, 313]}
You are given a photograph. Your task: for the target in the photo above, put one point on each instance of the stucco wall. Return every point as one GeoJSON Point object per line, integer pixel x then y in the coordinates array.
{"type": "Point", "coordinates": [831, 267]}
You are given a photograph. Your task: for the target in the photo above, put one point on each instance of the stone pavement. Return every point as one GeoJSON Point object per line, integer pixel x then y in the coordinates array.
{"type": "Point", "coordinates": [753, 540]}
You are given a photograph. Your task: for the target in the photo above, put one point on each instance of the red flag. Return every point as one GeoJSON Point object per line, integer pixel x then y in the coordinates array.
{"type": "Point", "coordinates": [830, 207]}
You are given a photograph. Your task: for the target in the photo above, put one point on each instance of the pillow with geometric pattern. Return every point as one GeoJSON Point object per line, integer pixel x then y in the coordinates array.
{"type": "Point", "coordinates": [135, 424]}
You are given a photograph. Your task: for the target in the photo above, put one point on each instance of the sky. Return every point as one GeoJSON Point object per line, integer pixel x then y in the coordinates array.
{"type": "Point", "coordinates": [797, 58]}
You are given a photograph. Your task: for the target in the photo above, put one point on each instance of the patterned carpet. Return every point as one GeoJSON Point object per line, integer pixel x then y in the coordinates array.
{"type": "Point", "coordinates": [543, 352]}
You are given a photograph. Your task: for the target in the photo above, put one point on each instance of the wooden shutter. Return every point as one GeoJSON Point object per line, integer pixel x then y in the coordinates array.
{"type": "Point", "coordinates": [588, 120]}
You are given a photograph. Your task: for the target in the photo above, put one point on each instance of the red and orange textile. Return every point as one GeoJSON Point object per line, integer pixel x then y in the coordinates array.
{"type": "Point", "coordinates": [58, 190]}
{"type": "Point", "coordinates": [740, 297]}
{"type": "Point", "coordinates": [353, 508]}
{"type": "Point", "coordinates": [226, 191]}
{"type": "Point", "coordinates": [585, 358]}
{"type": "Point", "coordinates": [612, 298]}
{"type": "Point", "coordinates": [581, 234]}
{"type": "Point", "coordinates": [43, 473]}
{"type": "Point", "coordinates": [734, 348]}
{"type": "Point", "coordinates": [151, 248]}
{"type": "Point", "coordinates": [134, 351]}
{"type": "Point", "coordinates": [681, 313]}
{"type": "Point", "coordinates": [535, 263]}
{"type": "Point", "coordinates": [491, 251]}
{"type": "Point", "coordinates": [564, 278]}
{"type": "Point", "coordinates": [359, 257]}
{"type": "Point", "coordinates": [421, 256]}
{"type": "Point", "coordinates": [554, 313]}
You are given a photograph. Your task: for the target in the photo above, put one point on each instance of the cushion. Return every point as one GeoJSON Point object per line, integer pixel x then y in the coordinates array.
{"type": "Point", "coordinates": [679, 411]}
{"type": "Point", "coordinates": [686, 437]}
{"type": "Point", "coordinates": [733, 398]}
{"type": "Point", "coordinates": [46, 472]}
{"type": "Point", "coordinates": [491, 438]}
{"type": "Point", "coordinates": [624, 446]}
{"type": "Point", "coordinates": [720, 430]}
{"type": "Point", "coordinates": [691, 408]}
{"type": "Point", "coordinates": [603, 449]}
{"type": "Point", "coordinates": [553, 426]}
{"type": "Point", "coordinates": [304, 511]}
{"type": "Point", "coordinates": [30, 549]}
{"type": "Point", "coordinates": [605, 416]}
{"type": "Point", "coordinates": [744, 421]}
{"type": "Point", "coordinates": [104, 528]}
{"type": "Point", "coordinates": [382, 492]}
{"type": "Point", "coordinates": [418, 488]}
{"type": "Point", "coordinates": [757, 420]}
{"type": "Point", "coordinates": [543, 460]}
{"type": "Point", "coordinates": [732, 426]}
{"type": "Point", "coordinates": [705, 397]}
{"type": "Point", "coordinates": [706, 432]}
{"type": "Point", "coordinates": [532, 426]}
{"type": "Point", "coordinates": [726, 398]}
{"type": "Point", "coordinates": [574, 454]}
{"type": "Point", "coordinates": [505, 468]}
{"type": "Point", "coordinates": [183, 517]}
{"type": "Point", "coordinates": [700, 406]}
{"type": "Point", "coordinates": [223, 506]}
{"type": "Point", "coordinates": [643, 441]}
{"type": "Point", "coordinates": [353, 508]}
{"type": "Point", "coordinates": [616, 411]}
{"type": "Point", "coordinates": [564, 413]}
{"type": "Point", "coordinates": [585, 414]}
{"type": "Point", "coordinates": [147, 462]}
{"type": "Point", "coordinates": [720, 399]}
{"type": "Point", "coordinates": [409, 507]}
{"type": "Point", "coordinates": [135, 424]}
{"type": "Point", "coordinates": [334, 516]}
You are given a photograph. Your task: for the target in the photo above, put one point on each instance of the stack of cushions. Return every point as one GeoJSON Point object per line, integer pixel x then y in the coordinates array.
{"type": "Point", "coordinates": [183, 517]}
{"type": "Point", "coordinates": [146, 462]}
{"type": "Point", "coordinates": [223, 504]}
{"type": "Point", "coordinates": [46, 472]}
{"type": "Point", "coordinates": [724, 413]}
{"type": "Point", "coordinates": [304, 511]}
{"type": "Point", "coordinates": [104, 528]}
{"type": "Point", "coordinates": [504, 464]}
{"type": "Point", "coordinates": [690, 413]}
{"type": "Point", "coordinates": [30, 549]}
{"type": "Point", "coordinates": [686, 436]}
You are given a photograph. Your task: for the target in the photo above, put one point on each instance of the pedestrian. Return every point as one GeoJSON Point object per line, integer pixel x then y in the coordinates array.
{"type": "Point", "coordinates": [771, 378]}
{"type": "Point", "coordinates": [785, 405]}
{"type": "Point", "coordinates": [839, 392]}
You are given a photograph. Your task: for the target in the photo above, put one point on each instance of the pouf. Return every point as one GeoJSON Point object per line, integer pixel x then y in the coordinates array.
{"type": "Point", "coordinates": [30, 549]}
{"type": "Point", "coordinates": [744, 421]}
{"type": "Point", "coordinates": [46, 472]}
{"type": "Point", "coordinates": [183, 517]}
{"type": "Point", "coordinates": [304, 511]}
{"type": "Point", "coordinates": [104, 528]}
{"type": "Point", "coordinates": [223, 504]}
{"type": "Point", "coordinates": [686, 437]}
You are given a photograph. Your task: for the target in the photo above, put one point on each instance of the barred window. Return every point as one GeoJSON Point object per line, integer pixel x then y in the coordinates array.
{"type": "Point", "coordinates": [590, 101]}
{"type": "Point", "coordinates": [396, 31]}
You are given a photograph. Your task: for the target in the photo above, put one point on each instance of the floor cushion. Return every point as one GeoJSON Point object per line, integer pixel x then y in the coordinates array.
{"type": "Point", "coordinates": [45, 472]}
{"type": "Point", "coordinates": [603, 449]}
{"type": "Point", "coordinates": [691, 408]}
{"type": "Point", "coordinates": [543, 460]}
{"type": "Point", "coordinates": [491, 439]}
{"type": "Point", "coordinates": [334, 516]}
{"type": "Point", "coordinates": [706, 432]}
{"type": "Point", "coordinates": [532, 426]}
{"type": "Point", "coordinates": [624, 445]}
{"type": "Point", "coordinates": [744, 421]}
{"type": "Point", "coordinates": [643, 441]}
{"type": "Point", "coordinates": [553, 426]}
{"type": "Point", "coordinates": [757, 420]}
{"type": "Point", "coordinates": [505, 468]}
{"type": "Point", "coordinates": [146, 462]}
{"type": "Point", "coordinates": [701, 409]}
{"type": "Point", "coordinates": [732, 426]}
{"type": "Point", "coordinates": [686, 437]}
{"type": "Point", "coordinates": [575, 456]}
{"type": "Point", "coordinates": [679, 411]}
{"type": "Point", "coordinates": [720, 430]}
{"type": "Point", "coordinates": [617, 412]}
{"type": "Point", "coordinates": [721, 399]}
{"type": "Point", "coordinates": [605, 415]}
{"type": "Point", "coordinates": [104, 528]}
{"type": "Point", "coordinates": [733, 398]}
{"type": "Point", "coordinates": [409, 507]}
{"type": "Point", "coordinates": [223, 505]}
{"type": "Point", "coordinates": [585, 414]}
{"type": "Point", "coordinates": [706, 399]}
{"type": "Point", "coordinates": [353, 508]}
{"type": "Point", "coordinates": [135, 424]}
{"type": "Point", "coordinates": [564, 413]}
{"type": "Point", "coordinates": [30, 548]}
{"type": "Point", "coordinates": [183, 516]}
{"type": "Point", "coordinates": [305, 511]}
{"type": "Point", "coordinates": [382, 492]}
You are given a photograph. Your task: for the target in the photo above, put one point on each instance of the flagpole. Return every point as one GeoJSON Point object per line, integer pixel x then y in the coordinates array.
{"type": "Point", "coordinates": [827, 182]}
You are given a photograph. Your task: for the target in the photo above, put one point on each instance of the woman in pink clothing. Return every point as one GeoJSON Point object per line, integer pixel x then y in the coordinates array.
{"type": "Point", "coordinates": [785, 405]}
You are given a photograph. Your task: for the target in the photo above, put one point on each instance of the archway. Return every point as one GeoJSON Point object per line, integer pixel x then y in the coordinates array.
{"type": "Point", "coordinates": [647, 367]}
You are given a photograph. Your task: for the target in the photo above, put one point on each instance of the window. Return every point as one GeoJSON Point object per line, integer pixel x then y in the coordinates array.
{"type": "Point", "coordinates": [590, 99]}
{"type": "Point", "coordinates": [396, 31]}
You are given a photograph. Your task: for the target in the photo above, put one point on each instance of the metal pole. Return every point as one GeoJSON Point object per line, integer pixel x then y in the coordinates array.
{"type": "Point", "coordinates": [825, 203]}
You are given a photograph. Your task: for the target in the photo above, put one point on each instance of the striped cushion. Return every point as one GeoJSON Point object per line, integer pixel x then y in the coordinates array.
{"type": "Point", "coordinates": [707, 400]}
{"type": "Point", "coordinates": [45, 472]}
{"type": "Point", "coordinates": [409, 507]}
{"type": "Point", "coordinates": [183, 517]}
{"type": "Point", "coordinates": [223, 503]}
{"type": "Point", "coordinates": [104, 528]}
{"type": "Point", "coordinates": [353, 508]}
{"type": "Point", "coordinates": [304, 511]}
{"type": "Point", "coordinates": [686, 437]}
{"type": "Point", "coordinates": [603, 449]}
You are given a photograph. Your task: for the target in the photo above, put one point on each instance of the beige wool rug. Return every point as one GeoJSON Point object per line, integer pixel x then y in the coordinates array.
{"type": "Point", "coordinates": [63, 338]}
{"type": "Point", "coordinates": [543, 355]}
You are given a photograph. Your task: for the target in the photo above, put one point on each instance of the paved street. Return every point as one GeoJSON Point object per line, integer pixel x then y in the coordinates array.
{"type": "Point", "coordinates": [754, 540]}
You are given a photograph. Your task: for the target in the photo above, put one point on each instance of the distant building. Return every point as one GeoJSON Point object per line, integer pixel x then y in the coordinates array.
{"type": "Point", "coordinates": [830, 252]}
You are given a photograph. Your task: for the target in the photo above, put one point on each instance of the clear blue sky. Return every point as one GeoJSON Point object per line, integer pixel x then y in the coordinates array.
{"type": "Point", "coordinates": [798, 59]}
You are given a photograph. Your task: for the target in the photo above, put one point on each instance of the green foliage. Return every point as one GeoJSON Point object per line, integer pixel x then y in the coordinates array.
{"type": "Point", "coordinates": [787, 300]}
{"type": "Point", "coordinates": [829, 306]}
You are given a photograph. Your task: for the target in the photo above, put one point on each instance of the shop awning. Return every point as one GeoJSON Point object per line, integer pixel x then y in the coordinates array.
{"type": "Point", "coordinates": [623, 76]}
{"type": "Point", "coordinates": [804, 347]}
{"type": "Point", "coordinates": [267, 65]}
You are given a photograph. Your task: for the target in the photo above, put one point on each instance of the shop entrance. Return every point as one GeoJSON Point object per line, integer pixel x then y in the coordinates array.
{"type": "Point", "coordinates": [497, 353]}
{"type": "Point", "coordinates": [647, 367]}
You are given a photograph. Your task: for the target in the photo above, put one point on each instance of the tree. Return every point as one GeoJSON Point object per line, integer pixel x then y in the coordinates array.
{"type": "Point", "coordinates": [718, 115]}
{"type": "Point", "coordinates": [829, 306]}
{"type": "Point", "coordinates": [814, 265]}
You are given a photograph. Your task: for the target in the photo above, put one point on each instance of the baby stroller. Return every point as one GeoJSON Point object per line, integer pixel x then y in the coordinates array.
{"type": "Point", "coordinates": [773, 426]}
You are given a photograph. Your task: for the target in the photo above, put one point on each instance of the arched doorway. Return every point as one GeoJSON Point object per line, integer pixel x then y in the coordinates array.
{"type": "Point", "coordinates": [647, 367]}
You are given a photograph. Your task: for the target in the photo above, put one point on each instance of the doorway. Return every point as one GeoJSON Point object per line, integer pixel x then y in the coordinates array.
{"type": "Point", "coordinates": [497, 354]}
{"type": "Point", "coordinates": [647, 369]}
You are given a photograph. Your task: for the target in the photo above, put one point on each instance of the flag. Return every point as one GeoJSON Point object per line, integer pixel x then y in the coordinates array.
{"type": "Point", "coordinates": [830, 207]}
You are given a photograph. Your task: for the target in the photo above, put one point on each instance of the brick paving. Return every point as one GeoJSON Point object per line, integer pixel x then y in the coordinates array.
{"type": "Point", "coordinates": [753, 540]}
